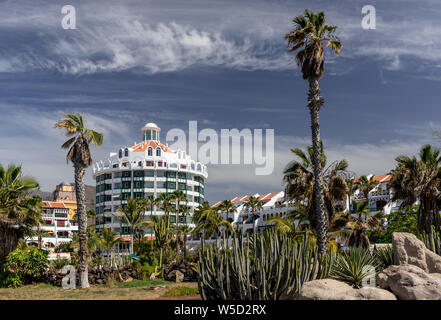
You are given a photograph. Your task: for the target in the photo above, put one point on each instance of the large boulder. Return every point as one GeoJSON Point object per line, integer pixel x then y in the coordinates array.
{"type": "Point", "coordinates": [329, 289]}
{"type": "Point", "coordinates": [408, 249]}
{"type": "Point", "coordinates": [409, 282]}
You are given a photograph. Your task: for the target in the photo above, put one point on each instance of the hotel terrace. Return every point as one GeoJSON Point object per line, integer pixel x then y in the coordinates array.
{"type": "Point", "coordinates": [146, 168]}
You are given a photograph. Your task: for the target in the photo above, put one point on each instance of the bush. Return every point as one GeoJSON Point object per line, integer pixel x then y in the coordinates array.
{"type": "Point", "coordinates": [145, 267]}
{"type": "Point", "coordinates": [350, 267]}
{"type": "Point", "coordinates": [24, 265]}
{"type": "Point", "coordinates": [59, 263]}
{"type": "Point", "coordinates": [384, 256]}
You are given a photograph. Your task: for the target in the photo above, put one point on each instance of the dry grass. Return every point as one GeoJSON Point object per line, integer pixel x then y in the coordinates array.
{"type": "Point", "coordinates": [98, 292]}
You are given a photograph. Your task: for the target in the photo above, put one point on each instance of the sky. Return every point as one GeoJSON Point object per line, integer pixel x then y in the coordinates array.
{"type": "Point", "coordinates": [226, 65]}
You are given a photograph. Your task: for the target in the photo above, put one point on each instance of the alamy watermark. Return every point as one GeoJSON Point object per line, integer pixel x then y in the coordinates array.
{"type": "Point", "coordinates": [231, 146]}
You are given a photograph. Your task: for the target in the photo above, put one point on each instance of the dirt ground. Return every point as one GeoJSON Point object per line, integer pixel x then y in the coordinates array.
{"type": "Point", "coordinates": [98, 292]}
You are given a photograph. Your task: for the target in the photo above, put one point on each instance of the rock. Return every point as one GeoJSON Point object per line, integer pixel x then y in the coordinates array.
{"type": "Point", "coordinates": [408, 249]}
{"type": "Point", "coordinates": [176, 276]}
{"type": "Point", "coordinates": [100, 281]}
{"type": "Point", "coordinates": [371, 293]}
{"type": "Point", "coordinates": [409, 282]}
{"type": "Point", "coordinates": [329, 289]}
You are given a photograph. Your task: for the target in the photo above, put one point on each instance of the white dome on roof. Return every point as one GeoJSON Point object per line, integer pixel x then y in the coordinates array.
{"type": "Point", "coordinates": [150, 125]}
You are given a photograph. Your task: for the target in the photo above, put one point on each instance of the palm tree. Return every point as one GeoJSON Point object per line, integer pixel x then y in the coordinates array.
{"type": "Point", "coordinates": [227, 206]}
{"type": "Point", "coordinates": [363, 222]}
{"type": "Point", "coordinates": [18, 210]}
{"type": "Point", "coordinates": [165, 200]}
{"type": "Point", "coordinates": [253, 204]}
{"type": "Point", "coordinates": [300, 187]}
{"type": "Point", "coordinates": [107, 241]}
{"type": "Point", "coordinates": [79, 154]}
{"type": "Point", "coordinates": [310, 31]}
{"type": "Point", "coordinates": [178, 197]}
{"type": "Point", "coordinates": [212, 222]}
{"type": "Point", "coordinates": [199, 217]}
{"type": "Point", "coordinates": [419, 180]}
{"type": "Point", "coordinates": [185, 231]}
{"type": "Point", "coordinates": [133, 214]}
{"type": "Point", "coordinates": [151, 202]}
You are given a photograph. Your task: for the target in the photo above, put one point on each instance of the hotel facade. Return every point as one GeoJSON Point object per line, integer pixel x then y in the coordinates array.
{"type": "Point", "coordinates": [146, 168]}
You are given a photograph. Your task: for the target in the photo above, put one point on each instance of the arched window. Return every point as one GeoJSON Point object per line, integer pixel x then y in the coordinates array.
{"type": "Point", "coordinates": [199, 168]}
{"type": "Point", "coordinates": [120, 153]}
{"type": "Point", "coordinates": [126, 152]}
{"type": "Point", "coordinates": [158, 152]}
{"type": "Point", "coordinates": [150, 151]}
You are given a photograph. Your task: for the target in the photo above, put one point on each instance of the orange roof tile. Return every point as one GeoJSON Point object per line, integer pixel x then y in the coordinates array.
{"type": "Point", "coordinates": [383, 178]}
{"type": "Point", "coordinates": [53, 204]}
{"type": "Point", "coordinates": [141, 147]}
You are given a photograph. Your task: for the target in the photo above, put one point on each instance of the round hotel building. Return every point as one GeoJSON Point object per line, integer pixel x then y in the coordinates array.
{"type": "Point", "coordinates": [147, 168]}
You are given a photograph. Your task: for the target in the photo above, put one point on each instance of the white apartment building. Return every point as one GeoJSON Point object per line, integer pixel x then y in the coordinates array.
{"type": "Point", "coordinates": [145, 168]}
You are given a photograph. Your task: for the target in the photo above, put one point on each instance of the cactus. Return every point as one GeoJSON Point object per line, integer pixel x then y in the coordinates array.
{"type": "Point", "coordinates": [432, 240]}
{"type": "Point", "coordinates": [266, 267]}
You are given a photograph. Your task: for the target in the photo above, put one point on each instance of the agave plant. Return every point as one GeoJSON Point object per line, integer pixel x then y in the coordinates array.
{"type": "Point", "coordinates": [384, 256]}
{"type": "Point", "coordinates": [350, 267]}
{"type": "Point", "coordinates": [269, 266]}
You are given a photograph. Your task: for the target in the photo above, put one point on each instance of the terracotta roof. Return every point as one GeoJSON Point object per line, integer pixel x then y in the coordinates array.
{"type": "Point", "coordinates": [383, 178]}
{"type": "Point", "coordinates": [141, 147]}
{"type": "Point", "coordinates": [53, 204]}
{"type": "Point", "coordinates": [217, 204]}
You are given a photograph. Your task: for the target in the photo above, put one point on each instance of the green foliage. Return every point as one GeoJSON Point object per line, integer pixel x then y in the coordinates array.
{"type": "Point", "coordinates": [384, 256]}
{"type": "Point", "coordinates": [11, 280]}
{"type": "Point", "coordinates": [350, 266]}
{"type": "Point", "coordinates": [146, 266]}
{"type": "Point", "coordinates": [270, 266]}
{"type": "Point", "coordinates": [59, 263]}
{"type": "Point", "coordinates": [399, 221]}
{"type": "Point", "coordinates": [23, 265]}
{"type": "Point", "coordinates": [181, 291]}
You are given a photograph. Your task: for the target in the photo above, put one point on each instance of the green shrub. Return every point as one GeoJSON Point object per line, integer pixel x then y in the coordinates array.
{"type": "Point", "coordinates": [350, 266]}
{"type": "Point", "coordinates": [145, 267]}
{"type": "Point", "coordinates": [384, 256]}
{"type": "Point", "coordinates": [23, 265]}
{"type": "Point", "coordinates": [59, 263]}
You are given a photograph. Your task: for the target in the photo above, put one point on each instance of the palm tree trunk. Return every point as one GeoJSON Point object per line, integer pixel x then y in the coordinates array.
{"type": "Point", "coordinates": [315, 101]}
{"type": "Point", "coordinates": [82, 225]}
{"type": "Point", "coordinates": [178, 245]}
{"type": "Point", "coordinates": [185, 246]}
{"type": "Point", "coordinates": [39, 235]}
{"type": "Point", "coordinates": [9, 240]}
{"type": "Point", "coordinates": [131, 240]}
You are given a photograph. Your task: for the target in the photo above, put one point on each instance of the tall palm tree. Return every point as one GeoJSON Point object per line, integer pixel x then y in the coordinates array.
{"type": "Point", "coordinates": [300, 187]}
{"type": "Point", "coordinates": [151, 202]}
{"type": "Point", "coordinates": [178, 197]}
{"type": "Point", "coordinates": [227, 206]}
{"type": "Point", "coordinates": [133, 214]}
{"type": "Point", "coordinates": [108, 240]}
{"type": "Point", "coordinates": [310, 31]}
{"type": "Point", "coordinates": [199, 217]}
{"type": "Point", "coordinates": [165, 201]}
{"type": "Point", "coordinates": [18, 209]}
{"type": "Point", "coordinates": [419, 180]}
{"type": "Point", "coordinates": [254, 204]}
{"type": "Point", "coordinates": [79, 154]}
{"type": "Point", "coordinates": [185, 231]}
{"type": "Point", "coordinates": [363, 222]}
